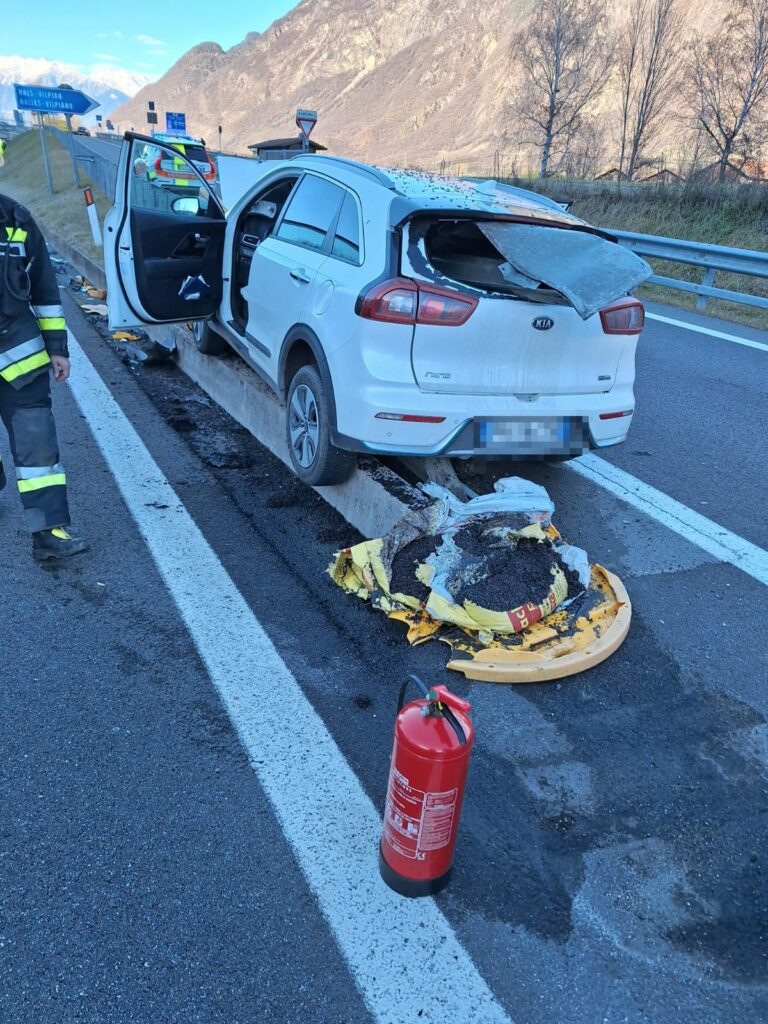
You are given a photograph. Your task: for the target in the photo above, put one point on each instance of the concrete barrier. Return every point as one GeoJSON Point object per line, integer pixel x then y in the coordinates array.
{"type": "Point", "coordinates": [374, 497]}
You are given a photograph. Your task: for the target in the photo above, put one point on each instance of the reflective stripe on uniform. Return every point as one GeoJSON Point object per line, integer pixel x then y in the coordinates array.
{"type": "Point", "coordinates": [19, 352]}
{"type": "Point", "coordinates": [33, 472]}
{"type": "Point", "coordinates": [52, 323]}
{"type": "Point", "coordinates": [25, 366]}
{"type": "Point", "coordinates": [35, 478]}
{"type": "Point", "coordinates": [39, 482]}
{"type": "Point", "coordinates": [15, 248]}
{"type": "Point", "coordinates": [16, 234]}
{"type": "Point", "coordinates": [48, 311]}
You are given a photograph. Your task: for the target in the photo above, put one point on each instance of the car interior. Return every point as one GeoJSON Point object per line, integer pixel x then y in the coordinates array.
{"type": "Point", "coordinates": [458, 250]}
{"type": "Point", "coordinates": [255, 224]}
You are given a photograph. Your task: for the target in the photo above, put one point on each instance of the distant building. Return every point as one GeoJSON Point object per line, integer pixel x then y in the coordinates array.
{"type": "Point", "coordinates": [663, 177]}
{"type": "Point", "coordinates": [279, 149]}
{"type": "Point", "coordinates": [750, 171]}
{"type": "Point", "coordinates": [612, 174]}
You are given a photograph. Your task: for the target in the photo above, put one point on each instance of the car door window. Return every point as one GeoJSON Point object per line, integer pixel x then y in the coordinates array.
{"type": "Point", "coordinates": [346, 242]}
{"type": "Point", "coordinates": [161, 180]}
{"type": "Point", "coordinates": [311, 212]}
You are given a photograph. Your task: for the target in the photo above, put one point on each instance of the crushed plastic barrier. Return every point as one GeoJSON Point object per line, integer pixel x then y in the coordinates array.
{"type": "Point", "coordinates": [574, 614]}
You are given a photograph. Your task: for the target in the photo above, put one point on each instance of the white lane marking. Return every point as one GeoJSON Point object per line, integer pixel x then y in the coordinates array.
{"type": "Point", "coordinates": [747, 342]}
{"type": "Point", "coordinates": [708, 535]}
{"type": "Point", "coordinates": [404, 956]}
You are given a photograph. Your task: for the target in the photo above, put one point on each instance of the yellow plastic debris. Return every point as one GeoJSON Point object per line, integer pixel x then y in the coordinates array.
{"type": "Point", "coordinates": [487, 644]}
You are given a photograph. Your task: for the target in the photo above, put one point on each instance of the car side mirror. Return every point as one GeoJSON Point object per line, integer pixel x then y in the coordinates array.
{"type": "Point", "coordinates": [186, 204]}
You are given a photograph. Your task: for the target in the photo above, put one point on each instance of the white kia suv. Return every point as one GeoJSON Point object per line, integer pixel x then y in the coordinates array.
{"type": "Point", "coordinates": [391, 311]}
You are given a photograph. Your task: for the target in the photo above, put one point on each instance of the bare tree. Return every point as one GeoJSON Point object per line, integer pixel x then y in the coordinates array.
{"type": "Point", "coordinates": [729, 83]}
{"type": "Point", "coordinates": [648, 56]}
{"type": "Point", "coordinates": [563, 54]}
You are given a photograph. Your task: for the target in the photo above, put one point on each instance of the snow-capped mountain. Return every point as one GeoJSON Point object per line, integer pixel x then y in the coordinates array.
{"type": "Point", "coordinates": [107, 84]}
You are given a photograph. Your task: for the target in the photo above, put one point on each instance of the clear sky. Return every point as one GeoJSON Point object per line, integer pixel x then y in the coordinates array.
{"type": "Point", "coordinates": [144, 36]}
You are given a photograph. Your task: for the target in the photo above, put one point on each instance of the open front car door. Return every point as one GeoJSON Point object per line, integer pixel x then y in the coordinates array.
{"type": "Point", "coordinates": [163, 241]}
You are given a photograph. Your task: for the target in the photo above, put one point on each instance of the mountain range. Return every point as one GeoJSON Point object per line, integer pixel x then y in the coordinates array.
{"type": "Point", "coordinates": [107, 84]}
{"type": "Point", "coordinates": [421, 82]}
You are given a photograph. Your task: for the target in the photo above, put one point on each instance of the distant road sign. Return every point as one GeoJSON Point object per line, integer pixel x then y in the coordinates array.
{"type": "Point", "coordinates": [175, 124]}
{"type": "Point", "coordinates": [53, 101]}
{"type": "Point", "coordinates": [306, 120]}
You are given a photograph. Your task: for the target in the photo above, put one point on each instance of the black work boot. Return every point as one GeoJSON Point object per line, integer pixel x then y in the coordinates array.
{"type": "Point", "coordinates": [56, 543]}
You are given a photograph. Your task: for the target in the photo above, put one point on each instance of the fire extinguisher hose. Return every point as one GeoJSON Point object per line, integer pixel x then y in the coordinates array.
{"type": "Point", "coordinates": [437, 706]}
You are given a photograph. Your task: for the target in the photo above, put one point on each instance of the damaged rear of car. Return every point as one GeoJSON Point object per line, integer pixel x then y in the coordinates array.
{"type": "Point", "coordinates": [521, 316]}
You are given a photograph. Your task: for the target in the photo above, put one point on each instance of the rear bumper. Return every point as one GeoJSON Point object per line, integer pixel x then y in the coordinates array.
{"type": "Point", "coordinates": [461, 432]}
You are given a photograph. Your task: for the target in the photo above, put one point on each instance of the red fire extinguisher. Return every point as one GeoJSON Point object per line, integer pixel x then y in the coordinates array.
{"type": "Point", "coordinates": [427, 776]}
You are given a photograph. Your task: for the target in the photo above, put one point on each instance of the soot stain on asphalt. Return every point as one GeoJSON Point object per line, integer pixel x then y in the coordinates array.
{"type": "Point", "coordinates": [212, 730]}
{"type": "Point", "coordinates": [736, 939]}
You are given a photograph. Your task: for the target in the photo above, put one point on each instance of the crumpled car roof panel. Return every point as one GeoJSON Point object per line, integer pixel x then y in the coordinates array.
{"type": "Point", "coordinates": [590, 271]}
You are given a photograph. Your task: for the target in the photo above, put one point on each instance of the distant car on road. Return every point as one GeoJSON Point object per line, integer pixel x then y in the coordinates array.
{"type": "Point", "coordinates": [392, 311]}
{"type": "Point", "coordinates": [81, 131]}
{"type": "Point", "coordinates": [167, 169]}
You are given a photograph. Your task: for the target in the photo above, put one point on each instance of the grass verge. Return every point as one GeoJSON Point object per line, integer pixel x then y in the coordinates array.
{"type": "Point", "coordinates": [23, 178]}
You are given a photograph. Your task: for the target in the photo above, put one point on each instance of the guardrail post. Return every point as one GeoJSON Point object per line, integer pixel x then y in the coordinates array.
{"type": "Point", "coordinates": [708, 282]}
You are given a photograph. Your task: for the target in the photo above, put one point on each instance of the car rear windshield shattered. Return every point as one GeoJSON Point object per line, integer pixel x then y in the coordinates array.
{"type": "Point", "coordinates": [527, 261]}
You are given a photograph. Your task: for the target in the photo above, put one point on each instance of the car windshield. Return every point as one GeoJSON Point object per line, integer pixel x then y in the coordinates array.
{"type": "Point", "coordinates": [196, 154]}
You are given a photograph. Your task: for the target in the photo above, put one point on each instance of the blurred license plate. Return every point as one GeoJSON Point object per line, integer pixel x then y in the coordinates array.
{"type": "Point", "coordinates": [551, 433]}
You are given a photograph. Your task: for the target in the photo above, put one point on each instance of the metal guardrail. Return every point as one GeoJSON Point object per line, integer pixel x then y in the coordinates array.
{"type": "Point", "coordinates": [712, 258]}
{"type": "Point", "coordinates": [97, 158]}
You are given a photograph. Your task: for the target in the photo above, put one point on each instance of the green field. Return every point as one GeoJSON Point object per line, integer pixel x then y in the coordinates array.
{"type": "Point", "coordinates": [23, 178]}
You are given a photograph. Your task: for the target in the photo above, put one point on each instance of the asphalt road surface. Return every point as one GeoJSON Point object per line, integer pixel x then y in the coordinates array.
{"type": "Point", "coordinates": [196, 729]}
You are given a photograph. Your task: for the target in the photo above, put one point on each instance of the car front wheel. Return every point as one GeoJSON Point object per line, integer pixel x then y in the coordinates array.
{"type": "Point", "coordinates": [207, 340]}
{"type": "Point", "coordinates": [314, 458]}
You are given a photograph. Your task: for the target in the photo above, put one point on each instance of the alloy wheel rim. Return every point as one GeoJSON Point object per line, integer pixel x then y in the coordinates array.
{"type": "Point", "coordinates": [304, 426]}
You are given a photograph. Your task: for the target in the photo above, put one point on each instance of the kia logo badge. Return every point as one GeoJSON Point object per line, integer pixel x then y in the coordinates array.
{"type": "Point", "coordinates": [543, 323]}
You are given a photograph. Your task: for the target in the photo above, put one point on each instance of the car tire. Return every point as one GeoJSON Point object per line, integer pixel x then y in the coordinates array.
{"type": "Point", "coordinates": [308, 431]}
{"type": "Point", "coordinates": [207, 340]}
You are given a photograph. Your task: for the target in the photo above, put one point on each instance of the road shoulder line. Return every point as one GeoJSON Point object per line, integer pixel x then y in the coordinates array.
{"type": "Point", "coordinates": [710, 331]}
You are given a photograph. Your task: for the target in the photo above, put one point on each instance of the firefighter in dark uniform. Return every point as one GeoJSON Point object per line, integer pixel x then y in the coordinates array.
{"type": "Point", "coordinates": [33, 345]}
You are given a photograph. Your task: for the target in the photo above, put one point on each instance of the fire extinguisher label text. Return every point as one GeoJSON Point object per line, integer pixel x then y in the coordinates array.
{"type": "Point", "coordinates": [403, 815]}
{"type": "Point", "coordinates": [437, 820]}
{"type": "Point", "coordinates": [416, 822]}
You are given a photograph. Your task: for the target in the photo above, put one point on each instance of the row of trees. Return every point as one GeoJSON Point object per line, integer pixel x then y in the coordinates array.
{"type": "Point", "coordinates": [576, 72]}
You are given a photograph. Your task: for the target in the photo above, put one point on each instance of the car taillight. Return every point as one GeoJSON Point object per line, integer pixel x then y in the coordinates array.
{"type": "Point", "coordinates": [394, 302]}
{"type": "Point", "coordinates": [624, 317]}
{"type": "Point", "coordinates": [441, 307]}
{"type": "Point", "coordinates": [402, 301]}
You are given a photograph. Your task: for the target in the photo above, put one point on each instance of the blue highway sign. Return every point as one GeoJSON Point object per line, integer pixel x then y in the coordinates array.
{"type": "Point", "coordinates": [175, 124]}
{"type": "Point", "coordinates": [44, 100]}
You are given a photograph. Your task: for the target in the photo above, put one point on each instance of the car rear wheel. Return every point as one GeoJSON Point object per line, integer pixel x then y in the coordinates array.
{"type": "Point", "coordinates": [308, 430]}
{"type": "Point", "coordinates": [207, 340]}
